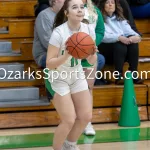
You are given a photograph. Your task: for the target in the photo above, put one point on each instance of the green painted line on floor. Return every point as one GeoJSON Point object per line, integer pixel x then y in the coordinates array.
{"type": "Point", "coordinates": [102, 136]}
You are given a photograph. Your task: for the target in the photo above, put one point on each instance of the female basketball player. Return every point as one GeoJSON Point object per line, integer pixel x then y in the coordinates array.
{"type": "Point", "coordinates": [94, 18]}
{"type": "Point", "coordinates": [72, 98]}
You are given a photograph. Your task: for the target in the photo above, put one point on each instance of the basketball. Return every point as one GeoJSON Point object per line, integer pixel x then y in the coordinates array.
{"type": "Point", "coordinates": [80, 45]}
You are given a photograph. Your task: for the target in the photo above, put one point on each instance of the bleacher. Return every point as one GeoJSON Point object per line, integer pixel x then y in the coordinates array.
{"type": "Point", "coordinates": [23, 101]}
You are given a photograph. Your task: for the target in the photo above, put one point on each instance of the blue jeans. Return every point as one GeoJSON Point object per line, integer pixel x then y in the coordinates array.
{"type": "Point", "coordinates": [100, 61]}
{"type": "Point", "coordinates": [42, 62]}
{"type": "Point", "coordinates": [141, 11]}
{"type": "Point", "coordinates": [43, 66]}
{"type": "Point", "coordinates": [100, 65]}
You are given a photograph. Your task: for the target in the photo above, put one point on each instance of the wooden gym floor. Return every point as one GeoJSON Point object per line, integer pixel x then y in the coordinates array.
{"type": "Point", "coordinates": [108, 137]}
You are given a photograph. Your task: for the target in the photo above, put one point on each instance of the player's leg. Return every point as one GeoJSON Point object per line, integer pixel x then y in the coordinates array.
{"type": "Point", "coordinates": [65, 108]}
{"type": "Point", "coordinates": [83, 107]}
{"type": "Point", "coordinates": [90, 76]}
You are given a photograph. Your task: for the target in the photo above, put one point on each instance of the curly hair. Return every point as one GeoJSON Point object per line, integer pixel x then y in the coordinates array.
{"type": "Point", "coordinates": [118, 9]}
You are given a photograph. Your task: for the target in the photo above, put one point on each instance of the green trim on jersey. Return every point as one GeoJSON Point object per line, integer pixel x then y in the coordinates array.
{"type": "Point", "coordinates": [48, 84]}
{"type": "Point", "coordinates": [74, 62]}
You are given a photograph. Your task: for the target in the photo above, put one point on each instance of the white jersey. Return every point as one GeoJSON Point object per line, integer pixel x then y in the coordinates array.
{"type": "Point", "coordinates": [60, 35]}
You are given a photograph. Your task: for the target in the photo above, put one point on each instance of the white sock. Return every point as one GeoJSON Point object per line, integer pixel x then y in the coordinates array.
{"type": "Point", "coordinates": [70, 143]}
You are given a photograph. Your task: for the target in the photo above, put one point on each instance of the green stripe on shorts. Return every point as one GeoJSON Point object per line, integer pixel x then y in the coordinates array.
{"type": "Point", "coordinates": [47, 83]}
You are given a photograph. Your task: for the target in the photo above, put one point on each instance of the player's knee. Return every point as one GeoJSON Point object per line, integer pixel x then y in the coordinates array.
{"type": "Point", "coordinates": [86, 117]}
{"type": "Point", "coordinates": [69, 122]}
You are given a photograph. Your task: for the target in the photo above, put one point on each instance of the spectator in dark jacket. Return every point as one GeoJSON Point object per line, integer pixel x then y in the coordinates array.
{"type": "Point", "coordinates": [140, 8]}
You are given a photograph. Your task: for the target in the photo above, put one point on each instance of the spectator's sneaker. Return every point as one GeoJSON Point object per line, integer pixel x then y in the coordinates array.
{"type": "Point", "coordinates": [67, 146]}
{"type": "Point", "coordinates": [89, 130]}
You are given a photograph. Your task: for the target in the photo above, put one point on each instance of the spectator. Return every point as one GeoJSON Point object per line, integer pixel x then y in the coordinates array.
{"type": "Point", "coordinates": [43, 30]}
{"type": "Point", "coordinates": [120, 42]}
{"type": "Point", "coordinates": [126, 12]}
{"type": "Point", "coordinates": [42, 33]}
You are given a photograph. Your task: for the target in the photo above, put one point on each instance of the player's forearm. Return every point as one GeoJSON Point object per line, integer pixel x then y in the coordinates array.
{"type": "Point", "coordinates": [56, 62]}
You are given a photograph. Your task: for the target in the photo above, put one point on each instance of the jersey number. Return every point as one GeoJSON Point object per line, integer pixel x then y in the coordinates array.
{"type": "Point", "coordinates": [73, 60]}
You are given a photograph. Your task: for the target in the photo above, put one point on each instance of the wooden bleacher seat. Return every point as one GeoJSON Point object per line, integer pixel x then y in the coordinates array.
{"type": "Point", "coordinates": [143, 25]}
{"type": "Point", "coordinates": [17, 42]}
{"type": "Point", "coordinates": [17, 8]}
{"type": "Point", "coordinates": [144, 47]}
{"type": "Point", "coordinates": [102, 112]}
{"type": "Point", "coordinates": [25, 52]}
{"type": "Point", "coordinates": [114, 95]}
{"type": "Point", "coordinates": [49, 118]}
{"type": "Point", "coordinates": [3, 23]}
{"type": "Point", "coordinates": [19, 28]}
{"type": "Point", "coordinates": [23, 83]}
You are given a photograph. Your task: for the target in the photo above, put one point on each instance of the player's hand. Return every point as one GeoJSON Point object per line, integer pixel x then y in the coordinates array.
{"type": "Point", "coordinates": [66, 51]}
{"type": "Point", "coordinates": [135, 39]}
{"type": "Point", "coordinates": [66, 54]}
{"type": "Point", "coordinates": [95, 50]}
{"type": "Point", "coordinates": [92, 58]}
{"type": "Point", "coordinates": [124, 40]}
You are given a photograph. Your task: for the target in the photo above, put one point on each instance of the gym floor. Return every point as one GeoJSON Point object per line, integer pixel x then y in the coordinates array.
{"type": "Point", "coordinates": [108, 137]}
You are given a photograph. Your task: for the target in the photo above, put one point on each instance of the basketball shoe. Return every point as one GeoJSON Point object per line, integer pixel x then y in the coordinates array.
{"type": "Point", "coordinates": [89, 130]}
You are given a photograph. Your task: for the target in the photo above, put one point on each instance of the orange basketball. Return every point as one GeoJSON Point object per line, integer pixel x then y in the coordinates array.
{"type": "Point", "coordinates": [80, 45]}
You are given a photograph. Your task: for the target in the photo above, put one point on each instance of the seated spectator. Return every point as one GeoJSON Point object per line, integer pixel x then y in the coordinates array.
{"type": "Point", "coordinates": [42, 4]}
{"type": "Point", "coordinates": [140, 8]}
{"type": "Point", "coordinates": [120, 42]}
{"type": "Point", "coordinates": [126, 12]}
{"type": "Point", "coordinates": [42, 33]}
{"type": "Point", "coordinates": [43, 30]}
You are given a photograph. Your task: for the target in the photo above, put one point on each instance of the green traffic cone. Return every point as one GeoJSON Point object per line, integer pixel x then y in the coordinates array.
{"type": "Point", "coordinates": [129, 116]}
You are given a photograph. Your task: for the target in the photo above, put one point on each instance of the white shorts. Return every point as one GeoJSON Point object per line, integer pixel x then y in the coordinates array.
{"type": "Point", "coordinates": [70, 81]}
